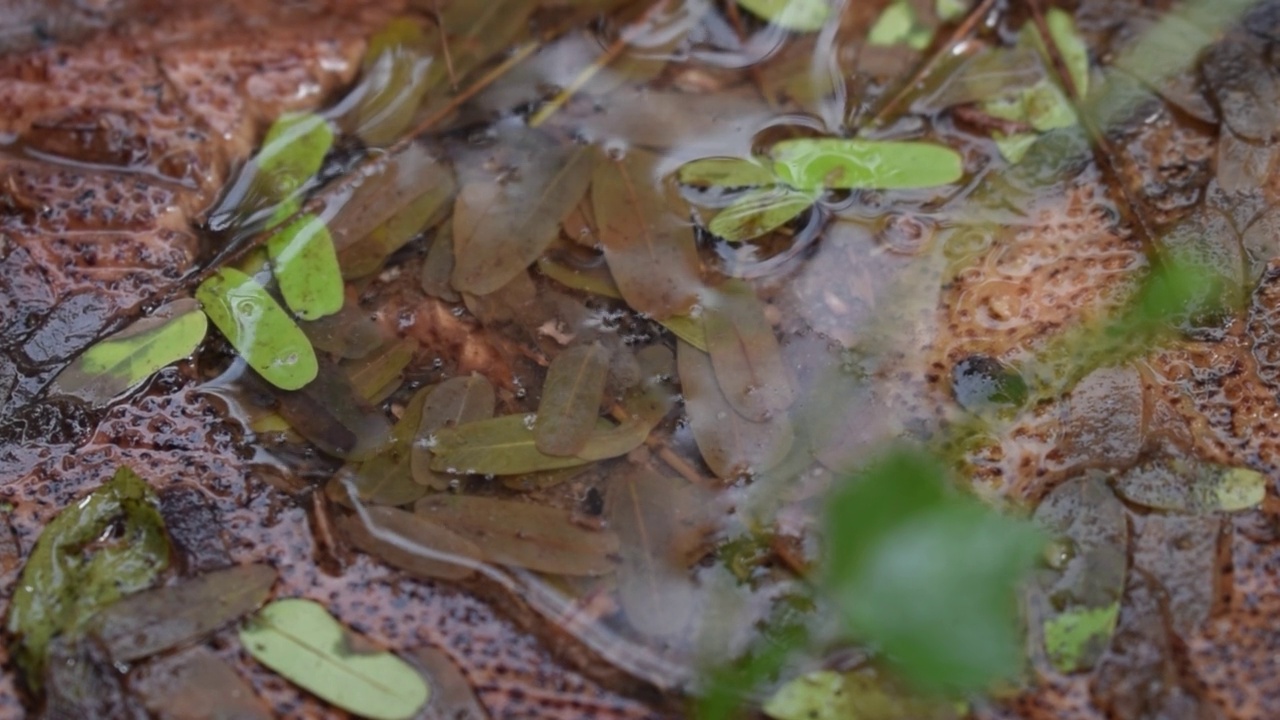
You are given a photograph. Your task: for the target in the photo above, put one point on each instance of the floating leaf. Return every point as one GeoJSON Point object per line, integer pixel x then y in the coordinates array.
{"type": "Point", "coordinates": [821, 163]}
{"type": "Point", "coordinates": [797, 15]}
{"type": "Point", "coordinates": [655, 589]}
{"type": "Point", "coordinates": [725, 172]}
{"type": "Point", "coordinates": [514, 532]}
{"type": "Point", "coordinates": [571, 398]}
{"type": "Point", "coordinates": [898, 25]}
{"type": "Point", "coordinates": [329, 413]}
{"type": "Point", "coordinates": [759, 212]}
{"type": "Point", "coordinates": [927, 575]}
{"type": "Point", "coordinates": [500, 446]}
{"type": "Point", "coordinates": [407, 193]}
{"type": "Point", "coordinates": [306, 268]}
{"type": "Point", "coordinates": [1088, 575]}
{"type": "Point", "coordinates": [156, 620]}
{"type": "Point", "coordinates": [386, 478]}
{"type": "Point", "coordinates": [172, 687]}
{"type": "Point", "coordinates": [503, 221]}
{"type": "Point", "coordinates": [411, 543]}
{"type": "Point", "coordinates": [1192, 487]}
{"type": "Point", "coordinates": [118, 363]}
{"type": "Point", "coordinates": [258, 328]}
{"type": "Point", "coordinates": [301, 641]}
{"type": "Point", "coordinates": [730, 444]}
{"type": "Point", "coordinates": [95, 551]}
{"type": "Point", "coordinates": [291, 154]}
{"type": "Point", "coordinates": [829, 695]}
{"type": "Point", "coordinates": [394, 79]}
{"type": "Point", "coordinates": [454, 402]}
{"type": "Point", "coordinates": [744, 352]}
{"type": "Point", "coordinates": [650, 250]}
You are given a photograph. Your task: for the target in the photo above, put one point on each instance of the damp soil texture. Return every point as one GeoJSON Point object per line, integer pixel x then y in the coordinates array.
{"type": "Point", "coordinates": [614, 359]}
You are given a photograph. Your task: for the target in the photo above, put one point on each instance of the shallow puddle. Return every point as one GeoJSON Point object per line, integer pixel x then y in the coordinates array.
{"type": "Point", "coordinates": [899, 360]}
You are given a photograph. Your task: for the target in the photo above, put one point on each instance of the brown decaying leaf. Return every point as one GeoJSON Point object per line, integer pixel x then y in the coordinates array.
{"type": "Point", "coordinates": [451, 693]}
{"type": "Point", "coordinates": [453, 402]}
{"type": "Point", "coordinates": [730, 444]}
{"type": "Point", "coordinates": [329, 413]}
{"type": "Point", "coordinates": [373, 373]}
{"type": "Point", "coordinates": [571, 398]}
{"type": "Point", "coordinates": [403, 196]}
{"type": "Point", "coordinates": [513, 198]}
{"type": "Point", "coordinates": [650, 250]}
{"type": "Point", "coordinates": [155, 620]}
{"type": "Point", "coordinates": [513, 532]}
{"type": "Point", "coordinates": [350, 334]}
{"type": "Point", "coordinates": [385, 478]}
{"type": "Point", "coordinates": [654, 587]}
{"type": "Point", "coordinates": [744, 352]}
{"type": "Point", "coordinates": [410, 542]}
{"type": "Point", "coordinates": [437, 268]}
{"type": "Point", "coordinates": [195, 685]}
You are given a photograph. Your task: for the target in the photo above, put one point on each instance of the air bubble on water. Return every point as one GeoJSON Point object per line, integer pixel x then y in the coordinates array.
{"type": "Point", "coordinates": [530, 419]}
{"type": "Point", "coordinates": [429, 441]}
{"type": "Point", "coordinates": [721, 415]}
{"type": "Point", "coordinates": [455, 485]}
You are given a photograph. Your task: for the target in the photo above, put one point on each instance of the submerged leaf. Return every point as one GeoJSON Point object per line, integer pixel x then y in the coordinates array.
{"type": "Point", "coordinates": [330, 413]}
{"type": "Point", "coordinates": [797, 15]}
{"type": "Point", "coordinates": [454, 402]}
{"type": "Point", "coordinates": [258, 328]}
{"type": "Point", "coordinates": [394, 79]}
{"type": "Point", "coordinates": [571, 398]}
{"type": "Point", "coordinates": [1072, 639]}
{"type": "Point", "coordinates": [688, 328]}
{"type": "Point", "coordinates": [504, 220]}
{"type": "Point", "coordinates": [1192, 487]}
{"type": "Point", "coordinates": [744, 352]}
{"type": "Point", "coordinates": [503, 445]}
{"type": "Point", "coordinates": [171, 686]}
{"type": "Point", "coordinates": [828, 695]}
{"type": "Point", "coordinates": [412, 543]}
{"type": "Point", "coordinates": [759, 212]}
{"type": "Point", "coordinates": [164, 618]}
{"type": "Point", "coordinates": [515, 532]}
{"type": "Point", "coordinates": [301, 641]}
{"type": "Point", "coordinates": [597, 281]}
{"type": "Point", "coordinates": [95, 551]}
{"type": "Point", "coordinates": [438, 267]}
{"type": "Point", "coordinates": [730, 444]}
{"type": "Point", "coordinates": [898, 25]}
{"type": "Point", "coordinates": [826, 163]}
{"type": "Point", "coordinates": [386, 478]}
{"type": "Point", "coordinates": [306, 268]}
{"type": "Point", "coordinates": [372, 374]}
{"type": "Point", "coordinates": [118, 363]}
{"type": "Point", "coordinates": [650, 250]}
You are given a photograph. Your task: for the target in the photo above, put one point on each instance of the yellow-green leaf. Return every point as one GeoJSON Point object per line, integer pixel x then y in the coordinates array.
{"type": "Point", "coordinates": [797, 15]}
{"type": "Point", "coordinates": [1073, 638]}
{"type": "Point", "coordinates": [258, 328]}
{"type": "Point", "coordinates": [301, 641]}
{"type": "Point", "coordinates": [759, 212]}
{"type": "Point", "coordinates": [820, 163]}
{"type": "Point", "coordinates": [1192, 487]}
{"type": "Point", "coordinates": [306, 268]}
{"type": "Point", "coordinates": [499, 446]}
{"type": "Point", "coordinates": [727, 172]}
{"type": "Point", "coordinates": [862, 695]}
{"type": "Point", "coordinates": [118, 363]}
{"type": "Point", "coordinates": [454, 402]}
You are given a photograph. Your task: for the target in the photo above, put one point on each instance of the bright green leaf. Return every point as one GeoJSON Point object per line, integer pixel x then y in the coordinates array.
{"type": "Point", "coordinates": [726, 172]}
{"type": "Point", "coordinates": [292, 153]}
{"type": "Point", "coordinates": [120, 362]}
{"type": "Point", "coordinates": [94, 552]}
{"type": "Point", "coordinates": [895, 25]}
{"type": "Point", "coordinates": [759, 212]}
{"type": "Point", "coordinates": [829, 695]}
{"type": "Point", "coordinates": [1072, 638]}
{"type": "Point", "coordinates": [259, 329]}
{"type": "Point", "coordinates": [797, 15]}
{"type": "Point", "coordinates": [301, 641]}
{"type": "Point", "coordinates": [949, 10]}
{"type": "Point", "coordinates": [306, 268]}
{"type": "Point", "coordinates": [1014, 147]}
{"type": "Point", "coordinates": [819, 163]}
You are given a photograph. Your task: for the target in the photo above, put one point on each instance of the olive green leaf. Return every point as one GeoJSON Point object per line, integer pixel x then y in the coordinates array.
{"type": "Point", "coordinates": [386, 478]}
{"type": "Point", "coordinates": [829, 695]}
{"type": "Point", "coordinates": [376, 375]}
{"type": "Point", "coordinates": [300, 640]}
{"type": "Point", "coordinates": [523, 534]}
{"type": "Point", "coordinates": [306, 268]}
{"type": "Point", "coordinates": [393, 81]}
{"type": "Point", "coordinates": [688, 328]}
{"type": "Point", "coordinates": [597, 281]}
{"type": "Point", "coordinates": [797, 15]}
{"type": "Point", "coordinates": [571, 398]}
{"type": "Point", "coordinates": [411, 543]}
{"type": "Point", "coordinates": [745, 353]}
{"type": "Point", "coordinates": [258, 328]}
{"type": "Point", "coordinates": [759, 212]}
{"type": "Point", "coordinates": [95, 551]}
{"type": "Point", "coordinates": [725, 172]}
{"type": "Point", "coordinates": [898, 25]}
{"type": "Point", "coordinates": [820, 163]}
{"type": "Point", "coordinates": [160, 619]}
{"type": "Point", "coordinates": [118, 363]}
{"type": "Point", "coordinates": [503, 445]}
{"type": "Point", "coordinates": [949, 10]}
{"type": "Point", "coordinates": [1073, 639]}
{"type": "Point", "coordinates": [454, 402]}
